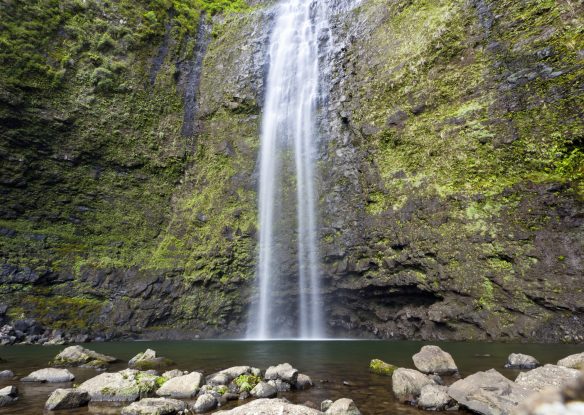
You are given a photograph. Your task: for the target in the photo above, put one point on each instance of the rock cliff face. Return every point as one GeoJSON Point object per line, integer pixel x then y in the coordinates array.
{"type": "Point", "coordinates": [451, 167]}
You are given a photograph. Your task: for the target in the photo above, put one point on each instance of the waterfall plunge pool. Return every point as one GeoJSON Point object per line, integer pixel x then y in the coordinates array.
{"type": "Point", "coordinates": [328, 363]}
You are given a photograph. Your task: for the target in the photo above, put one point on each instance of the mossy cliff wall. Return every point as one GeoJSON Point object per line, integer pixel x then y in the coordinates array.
{"type": "Point", "coordinates": [452, 167]}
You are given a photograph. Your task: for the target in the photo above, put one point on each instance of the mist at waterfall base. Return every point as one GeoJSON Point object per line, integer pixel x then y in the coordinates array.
{"type": "Point", "coordinates": [290, 307]}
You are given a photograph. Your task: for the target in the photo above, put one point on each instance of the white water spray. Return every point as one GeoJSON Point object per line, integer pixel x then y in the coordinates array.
{"type": "Point", "coordinates": [293, 94]}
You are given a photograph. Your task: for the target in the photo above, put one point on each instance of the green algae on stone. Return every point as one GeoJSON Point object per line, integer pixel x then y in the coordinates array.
{"type": "Point", "coordinates": [379, 367]}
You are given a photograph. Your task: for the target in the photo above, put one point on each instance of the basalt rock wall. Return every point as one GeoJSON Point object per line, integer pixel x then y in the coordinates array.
{"type": "Point", "coordinates": [450, 168]}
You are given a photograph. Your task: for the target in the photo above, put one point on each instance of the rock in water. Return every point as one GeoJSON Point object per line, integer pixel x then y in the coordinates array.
{"type": "Point", "coordinates": [270, 407]}
{"type": "Point", "coordinates": [303, 382]}
{"type": "Point", "coordinates": [432, 359]}
{"type": "Point", "coordinates": [125, 386]}
{"type": "Point", "coordinates": [283, 372]}
{"type": "Point", "coordinates": [6, 374]}
{"type": "Point", "coordinates": [343, 406]}
{"type": "Point", "coordinates": [185, 386]}
{"type": "Point", "coordinates": [49, 375]}
{"type": "Point", "coordinates": [434, 398]}
{"type": "Point", "coordinates": [79, 356]}
{"type": "Point", "coordinates": [548, 375]}
{"type": "Point", "coordinates": [173, 374]}
{"type": "Point", "coordinates": [264, 390]}
{"type": "Point", "coordinates": [67, 399]}
{"type": "Point", "coordinates": [379, 367]}
{"type": "Point", "coordinates": [155, 406]}
{"type": "Point", "coordinates": [575, 361]}
{"type": "Point", "coordinates": [205, 403]}
{"type": "Point", "coordinates": [8, 395]}
{"type": "Point", "coordinates": [148, 360]}
{"type": "Point", "coordinates": [521, 361]}
{"type": "Point", "coordinates": [407, 384]}
{"type": "Point", "coordinates": [488, 393]}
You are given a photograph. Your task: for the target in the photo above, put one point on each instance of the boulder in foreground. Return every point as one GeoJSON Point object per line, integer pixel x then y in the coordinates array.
{"type": "Point", "coordinates": [488, 393]}
{"type": "Point", "coordinates": [155, 406]}
{"type": "Point", "coordinates": [125, 386]}
{"type": "Point", "coordinates": [432, 359]}
{"type": "Point", "coordinates": [8, 395]}
{"type": "Point", "coordinates": [575, 361]}
{"type": "Point", "coordinates": [546, 376]}
{"type": "Point", "coordinates": [49, 375]}
{"type": "Point", "coordinates": [343, 406]}
{"type": "Point", "coordinates": [407, 384]}
{"type": "Point", "coordinates": [271, 407]}
{"type": "Point", "coordinates": [435, 398]}
{"type": "Point", "coordinates": [67, 399]}
{"type": "Point", "coordinates": [184, 387]}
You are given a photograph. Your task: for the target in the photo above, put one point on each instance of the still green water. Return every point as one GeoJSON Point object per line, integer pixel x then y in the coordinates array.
{"type": "Point", "coordinates": [329, 363]}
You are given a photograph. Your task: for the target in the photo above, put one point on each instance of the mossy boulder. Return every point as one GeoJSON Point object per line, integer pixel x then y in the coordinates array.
{"type": "Point", "coordinates": [379, 367]}
{"type": "Point", "coordinates": [79, 356]}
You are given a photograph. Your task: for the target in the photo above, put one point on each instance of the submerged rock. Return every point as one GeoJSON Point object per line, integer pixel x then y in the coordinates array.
{"type": "Point", "coordinates": [545, 376]}
{"type": "Point", "coordinates": [205, 403]}
{"type": "Point", "coordinates": [263, 390]}
{"type": "Point", "coordinates": [271, 407]}
{"type": "Point", "coordinates": [79, 356]}
{"type": "Point", "coordinates": [67, 399]}
{"type": "Point", "coordinates": [435, 398]}
{"type": "Point", "coordinates": [432, 359]}
{"type": "Point", "coordinates": [185, 386]}
{"type": "Point", "coordinates": [575, 361]}
{"type": "Point", "coordinates": [379, 367]}
{"type": "Point", "coordinates": [521, 361]}
{"type": "Point", "coordinates": [8, 395]}
{"type": "Point", "coordinates": [155, 406]}
{"type": "Point", "coordinates": [49, 375]}
{"type": "Point", "coordinates": [6, 374]}
{"type": "Point", "coordinates": [148, 360]}
{"type": "Point", "coordinates": [343, 406]}
{"type": "Point", "coordinates": [125, 386]}
{"type": "Point", "coordinates": [407, 384]}
{"type": "Point", "coordinates": [488, 393]}
{"type": "Point", "coordinates": [283, 372]}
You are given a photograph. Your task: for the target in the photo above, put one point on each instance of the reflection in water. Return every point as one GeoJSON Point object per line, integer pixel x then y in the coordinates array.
{"type": "Point", "coordinates": [329, 363]}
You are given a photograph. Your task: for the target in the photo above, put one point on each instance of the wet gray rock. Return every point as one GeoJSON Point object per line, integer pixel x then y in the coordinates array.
{"type": "Point", "coordinates": [79, 356]}
{"type": "Point", "coordinates": [185, 386]}
{"type": "Point", "coordinates": [8, 395]}
{"type": "Point", "coordinates": [155, 406]}
{"type": "Point", "coordinates": [434, 398]}
{"type": "Point", "coordinates": [148, 360]}
{"type": "Point", "coordinates": [125, 386]}
{"type": "Point", "coordinates": [283, 372]}
{"type": "Point", "coordinates": [6, 374]}
{"type": "Point", "coordinates": [521, 361]}
{"type": "Point", "coordinates": [575, 361]}
{"type": "Point", "coordinates": [49, 375]}
{"type": "Point", "coordinates": [271, 407]}
{"type": "Point", "coordinates": [205, 403]}
{"type": "Point", "coordinates": [264, 390]}
{"type": "Point", "coordinates": [343, 406]}
{"type": "Point", "coordinates": [218, 379]}
{"type": "Point", "coordinates": [174, 373]}
{"type": "Point", "coordinates": [566, 400]}
{"type": "Point", "coordinates": [432, 359]}
{"type": "Point", "coordinates": [280, 385]}
{"type": "Point", "coordinates": [67, 399]}
{"type": "Point", "coordinates": [545, 376]}
{"type": "Point", "coordinates": [407, 384]}
{"type": "Point", "coordinates": [488, 393]}
{"type": "Point", "coordinates": [303, 382]}
{"type": "Point", "coordinates": [325, 405]}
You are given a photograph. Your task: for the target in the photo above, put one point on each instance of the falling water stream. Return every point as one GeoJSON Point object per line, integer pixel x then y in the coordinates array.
{"type": "Point", "coordinates": [289, 138]}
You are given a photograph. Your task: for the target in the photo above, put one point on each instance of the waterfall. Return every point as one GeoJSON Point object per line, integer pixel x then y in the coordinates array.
{"type": "Point", "coordinates": [288, 150]}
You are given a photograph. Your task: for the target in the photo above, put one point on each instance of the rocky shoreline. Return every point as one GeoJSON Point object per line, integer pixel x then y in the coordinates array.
{"type": "Point", "coordinates": [153, 385]}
